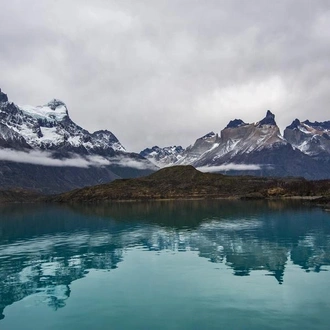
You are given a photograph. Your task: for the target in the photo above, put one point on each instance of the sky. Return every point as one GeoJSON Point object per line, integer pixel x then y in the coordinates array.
{"type": "Point", "coordinates": [166, 72]}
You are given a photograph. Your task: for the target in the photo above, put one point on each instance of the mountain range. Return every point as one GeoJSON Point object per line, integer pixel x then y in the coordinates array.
{"type": "Point", "coordinates": [256, 148]}
{"type": "Point", "coordinates": [41, 148]}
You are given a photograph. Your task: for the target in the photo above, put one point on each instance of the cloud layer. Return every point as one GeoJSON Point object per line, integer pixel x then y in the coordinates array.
{"type": "Point", "coordinates": [46, 159]}
{"type": "Point", "coordinates": [230, 167]}
{"type": "Point", "coordinates": [168, 71]}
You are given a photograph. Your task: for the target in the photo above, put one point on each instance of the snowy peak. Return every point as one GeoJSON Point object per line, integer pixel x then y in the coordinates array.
{"type": "Point", "coordinates": [49, 127]}
{"type": "Point", "coordinates": [55, 103]}
{"type": "Point", "coordinates": [163, 156]}
{"type": "Point", "coordinates": [311, 138]}
{"type": "Point", "coordinates": [54, 110]}
{"type": "Point", "coordinates": [3, 97]}
{"type": "Point", "coordinates": [105, 138]}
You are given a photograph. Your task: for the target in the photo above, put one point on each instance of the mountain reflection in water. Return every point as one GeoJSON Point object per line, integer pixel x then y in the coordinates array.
{"type": "Point", "coordinates": [43, 249]}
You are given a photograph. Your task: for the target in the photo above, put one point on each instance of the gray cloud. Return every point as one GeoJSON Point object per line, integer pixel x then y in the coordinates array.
{"type": "Point", "coordinates": [168, 71]}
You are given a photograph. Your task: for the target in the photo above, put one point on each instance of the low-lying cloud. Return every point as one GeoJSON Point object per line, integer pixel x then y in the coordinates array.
{"type": "Point", "coordinates": [230, 167]}
{"type": "Point", "coordinates": [129, 162]}
{"type": "Point", "coordinates": [46, 158]}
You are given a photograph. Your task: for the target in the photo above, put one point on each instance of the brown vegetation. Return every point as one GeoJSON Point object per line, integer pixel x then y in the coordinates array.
{"type": "Point", "coordinates": [185, 182]}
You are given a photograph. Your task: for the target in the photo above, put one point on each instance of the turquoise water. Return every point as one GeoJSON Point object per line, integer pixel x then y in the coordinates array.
{"type": "Point", "coordinates": [169, 265]}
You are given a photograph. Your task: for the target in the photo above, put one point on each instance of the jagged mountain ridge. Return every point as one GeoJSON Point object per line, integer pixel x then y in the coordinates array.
{"type": "Point", "coordinates": [169, 156]}
{"type": "Point", "coordinates": [163, 156]}
{"type": "Point", "coordinates": [311, 138]}
{"type": "Point", "coordinates": [243, 139]}
{"type": "Point", "coordinates": [50, 127]}
{"type": "Point", "coordinates": [259, 144]}
{"type": "Point", "coordinates": [49, 131]}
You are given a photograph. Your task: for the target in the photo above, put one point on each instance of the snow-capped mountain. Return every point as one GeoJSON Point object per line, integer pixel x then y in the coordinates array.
{"type": "Point", "coordinates": [49, 127]}
{"type": "Point", "coordinates": [163, 156]}
{"type": "Point", "coordinates": [257, 148]}
{"type": "Point", "coordinates": [29, 134]}
{"type": "Point", "coordinates": [239, 139]}
{"type": "Point", "coordinates": [312, 139]}
{"type": "Point", "coordinates": [202, 146]}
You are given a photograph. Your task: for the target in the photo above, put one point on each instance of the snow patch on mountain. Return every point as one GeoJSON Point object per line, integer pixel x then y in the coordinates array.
{"type": "Point", "coordinates": [162, 157]}
{"type": "Point", "coordinates": [311, 138]}
{"type": "Point", "coordinates": [236, 139]}
{"type": "Point", "coordinates": [239, 138]}
{"type": "Point", "coordinates": [53, 111]}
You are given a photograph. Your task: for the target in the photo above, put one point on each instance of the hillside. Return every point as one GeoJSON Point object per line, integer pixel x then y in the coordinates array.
{"type": "Point", "coordinates": [185, 182]}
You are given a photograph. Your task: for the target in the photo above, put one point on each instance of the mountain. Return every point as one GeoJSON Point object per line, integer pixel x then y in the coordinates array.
{"type": "Point", "coordinates": [311, 138]}
{"type": "Point", "coordinates": [49, 127]}
{"type": "Point", "coordinates": [236, 141]}
{"type": "Point", "coordinates": [256, 148]}
{"type": "Point", "coordinates": [163, 156]}
{"type": "Point", "coordinates": [202, 145]}
{"type": "Point", "coordinates": [42, 148]}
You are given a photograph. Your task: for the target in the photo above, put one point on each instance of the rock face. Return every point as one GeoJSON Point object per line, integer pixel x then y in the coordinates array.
{"type": "Point", "coordinates": [239, 142]}
{"type": "Point", "coordinates": [313, 139]}
{"type": "Point", "coordinates": [260, 149]}
{"type": "Point", "coordinates": [169, 156]}
{"type": "Point", "coordinates": [49, 130]}
{"type": "Point", "coordinates": [163, 156]}
{"type": "Point", "coordinates": [3, 97]}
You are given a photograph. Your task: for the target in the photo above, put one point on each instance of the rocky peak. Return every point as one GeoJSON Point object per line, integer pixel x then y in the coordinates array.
{"type": "Point", "coordinates": [268, 120]}
{"type": "Point", "coordinates": [235, 123]}
{"type": "Point", "coordinates": [178, 149]}
{"type": "Point", "coordinates": [55, 104]}
{"type": "Point", "coordinates": [163, 156]}
{"type": "Point", "coordinates": [208, 135]}
{"type": "Point", "coordinates": [295, 124]}
{"type": "Point", "coordinates": [325, 125]}
{"type": "Point", "coordinates": [3, 97]}
{"type": "Point", "coordinates": [105, 134]}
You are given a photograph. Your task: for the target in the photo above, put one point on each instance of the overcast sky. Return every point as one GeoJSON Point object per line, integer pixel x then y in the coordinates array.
{"type": "Point", "coordinates": [165, 72]}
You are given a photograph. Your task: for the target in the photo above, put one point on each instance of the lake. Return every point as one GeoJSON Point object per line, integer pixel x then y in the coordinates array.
{"type": "Point", "coordinates": [165, 265]}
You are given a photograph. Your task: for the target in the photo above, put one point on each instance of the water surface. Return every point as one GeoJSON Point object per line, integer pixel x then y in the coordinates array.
{"type": "Point", "coordinates": [165, 265]}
